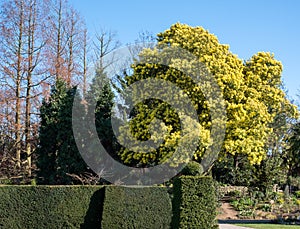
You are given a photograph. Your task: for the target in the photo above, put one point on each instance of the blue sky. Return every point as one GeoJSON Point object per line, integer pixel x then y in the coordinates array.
{"type": "Point", "coordinates": [247, 26]}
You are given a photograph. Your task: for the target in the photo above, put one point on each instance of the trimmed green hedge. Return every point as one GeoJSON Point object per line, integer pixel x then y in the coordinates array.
{"type": "Point", "coordinates": [147, 207]}
{"type": "Point", "coordinates": [106, 207]}
{"type": "Point", "coordinates": [194, 203]}
{"type": "Point", "coordinates": [39, 207]}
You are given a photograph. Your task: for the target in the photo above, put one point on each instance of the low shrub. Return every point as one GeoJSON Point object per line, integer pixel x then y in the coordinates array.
{"type": "Point", "coordinates": [242, 204]}
{"type": "Point", "coordinates": [265, 207]}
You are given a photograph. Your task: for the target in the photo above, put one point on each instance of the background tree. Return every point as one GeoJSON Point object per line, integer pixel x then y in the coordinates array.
{"type": "Point", "coordinates": [292, 150]}
{"type": "Point", "coordinates": [272, 169]}
{"type": "Point", "coordinates": [59, 160]}
{"type": "Point", "coordinates": [101, 94]}
{"type": "Point", "coordinates": [12, 48]}
{"type": "Point", "coordinates": [23, 44]}
{"type": "Point", "coordinates": [65, 42]}
{"type": "Point", "coordinates": [35, 72]}
{"type": "Point", "coordinates": [41, 41]}
{"type": "Point", "coordinates": [58, 157]}
{"type": "Point", "coordinates": [84, 60]}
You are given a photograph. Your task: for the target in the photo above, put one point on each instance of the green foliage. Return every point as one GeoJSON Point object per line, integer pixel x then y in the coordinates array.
{"type": "Point", "coordinates": [238, 171]}
{"type": "Point", "coordinates": [193, 168]}
{"type": "Point", "coordinates": [292, 150]}
{"type": "Point", "coordinates": [101, 94]}
{"type": "Point", "coordinates": [59, 160]}
{"type": "Point", "coordinates": [244, 203]}
{"type": "Point", "coordinates": [295, 182]}
{"type": "Point", "coordinates": [297, 194]}
{"type": "Point", "coordinates": [35, 207]}
{"type": "Point", "coordinates": [265, 207]}
{"type": "Point", "coordinates": [147, 207]}
{"type": "Point", "coordinates": [57, 153]}
{"type": "Point", "coordinates": [194, 203]}
{"type": "Point", "coordinates": [246, 206]}
{"type": "Point", "coordinates": [235, 194]}
{"type": "Point", "coordinates": [269, 173]}
{"type": "Point", "coordinates": [233, 170]}
{"type": "Point", "coordinates": [257, 195]}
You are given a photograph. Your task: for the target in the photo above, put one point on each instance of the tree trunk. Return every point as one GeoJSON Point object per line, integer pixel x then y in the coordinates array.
{"type": "Point", "coordinates": [30, 68]}
{"type": "Point", "coordinates": [18, 86]}
{"type": "Point", "coordinates": [84, 62]}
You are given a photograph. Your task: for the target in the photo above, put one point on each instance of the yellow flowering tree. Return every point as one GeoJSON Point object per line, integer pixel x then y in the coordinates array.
{"type": "Point", "coordinates": [251, 91]}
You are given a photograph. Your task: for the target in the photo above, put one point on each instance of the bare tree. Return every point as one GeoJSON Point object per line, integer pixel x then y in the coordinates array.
{"type": "Point", "coordinates": [56, 39]}
{"type": "Point", "coordinates": [12, 65]}
{"type": "Point", "coordinates": [85, 60]}
{"type": "Point", "coordinates": [41, 41]}
{"type": "Point", "coordinates": [21, 75]}
{"type": "Point", "coordinates": [75, 42]}
{"type": "Point", "coordinates": [65, 35]}
{"type": "Point", "coordinates": [105, 43]}
{"type": "Point", "coordinates": [85, 57]}
{"type": "Point", "coordinates": [144, 40]}
{"type": "Point", "coordinates": [35, 44]}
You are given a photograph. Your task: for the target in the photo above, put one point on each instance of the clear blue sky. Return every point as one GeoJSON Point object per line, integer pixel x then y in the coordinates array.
{"type": "Point", "coordinates": [247, 26]}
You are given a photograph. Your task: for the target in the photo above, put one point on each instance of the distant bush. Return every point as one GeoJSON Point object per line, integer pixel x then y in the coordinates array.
{"type": "Point", "coordinates": [235, 193]}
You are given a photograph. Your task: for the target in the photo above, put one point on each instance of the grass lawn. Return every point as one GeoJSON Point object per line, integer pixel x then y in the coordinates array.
{"type": "Point", "coordinates": [267, 226]}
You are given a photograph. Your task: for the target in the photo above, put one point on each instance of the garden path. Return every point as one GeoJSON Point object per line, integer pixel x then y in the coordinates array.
{"type": "Point", "coordinates": [230, 226]}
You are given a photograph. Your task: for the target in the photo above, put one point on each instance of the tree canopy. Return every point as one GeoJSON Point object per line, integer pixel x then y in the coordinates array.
{"type": "Point", "coordinates": [252, 91]}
